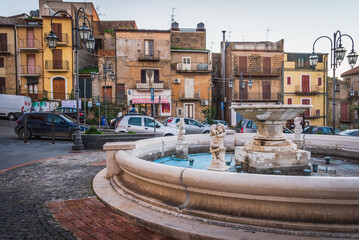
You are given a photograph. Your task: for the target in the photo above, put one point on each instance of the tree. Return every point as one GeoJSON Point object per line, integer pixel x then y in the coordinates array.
{"type": "Point", "coordinates": [208, 114]}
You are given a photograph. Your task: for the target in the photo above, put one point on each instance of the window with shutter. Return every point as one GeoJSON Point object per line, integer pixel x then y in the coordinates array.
{"type": "Point", "coordinates": [319, 81]}
{"type": "Point", "coordinates": [57, 29]}
{"type": "Point", "coordinates": [2, 63]}
{"type": "Point", "coordinates": [3, 42]}
{"type": "Point", "coordinates": [149, 48]}
{"type": "Point", "coordinates": [143, 76]}
{"type": "Point", "coordinates": [289, 80]}
{"type": "Point", "coordinates": [267, 69]}
{"type": "Point", "coordinates": [242, 64]}
{"type": "Point", "coordinates": [290, 101]}
{"type": "Point", "coordinates": [157, 76]}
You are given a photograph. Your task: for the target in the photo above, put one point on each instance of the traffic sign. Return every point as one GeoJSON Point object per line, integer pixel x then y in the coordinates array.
{"type": "Point", "coordinates": [98, 104]}
{"type": "Point", "coordinates": [152, 95]}
{"type": "Point", "coordinates": [89, 104]}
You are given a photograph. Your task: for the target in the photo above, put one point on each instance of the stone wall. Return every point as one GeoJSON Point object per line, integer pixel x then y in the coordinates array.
{"type": "Point", "coordinates": [188, 40]}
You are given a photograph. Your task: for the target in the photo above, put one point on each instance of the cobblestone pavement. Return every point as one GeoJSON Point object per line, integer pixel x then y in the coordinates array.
{"type": "Point", "coordinates": [25, 192]}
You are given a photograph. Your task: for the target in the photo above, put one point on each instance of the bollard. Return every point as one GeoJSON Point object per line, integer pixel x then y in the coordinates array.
{"type": "Point", "coordinates": [191, 160]}
{"type": "Point", "coordinates": [238, 168]}
{"type": "Point", "coordinates": [25, 130]}
{"type": "Point", "coordinates": [53, 130]}
{"type": "Point", "coordinates": [327, 160]}
{"type": "Point", "coordinates": [315, 167]}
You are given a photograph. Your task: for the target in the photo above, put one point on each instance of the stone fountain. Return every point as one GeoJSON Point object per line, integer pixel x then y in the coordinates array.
{"type": "Point", "coordinates": [217, 149]}
{"type": "Point", "coordinates": [181, 146]}
{"type": "Point", "coordinates": [270, 152]}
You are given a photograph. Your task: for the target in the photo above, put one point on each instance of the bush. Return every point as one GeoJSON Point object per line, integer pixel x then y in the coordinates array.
{"type": "Point", "coordinates": [93, 130]}
{"type": "Point", "coordinates": [130, 132]}
{"type": "Point", "coordinates": [92, 121]}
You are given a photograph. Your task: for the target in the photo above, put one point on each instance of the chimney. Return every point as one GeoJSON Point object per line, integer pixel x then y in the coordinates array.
{"type": "Point", "coordinates": [175, 26]}
{"type": "Point", "coordinates": [200, 27]}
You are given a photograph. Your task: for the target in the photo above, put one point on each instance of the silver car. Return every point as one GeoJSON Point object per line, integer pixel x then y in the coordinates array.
{"type": "Point", "coordinates": [191, 126]}
{"type": "Point", "coordinates": [143, 124]}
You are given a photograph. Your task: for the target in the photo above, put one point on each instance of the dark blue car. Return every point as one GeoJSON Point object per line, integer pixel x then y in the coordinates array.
{"type": "Point", "coordinates": [40, 124]}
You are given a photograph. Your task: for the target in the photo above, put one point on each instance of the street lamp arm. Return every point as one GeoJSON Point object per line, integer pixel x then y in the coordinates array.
{"type": "Point", "coordinates": [331, 42]}
{"type": "Point", "coordinates": [58, 12]}
{"type": "Point", "coordinates": [346, 35]}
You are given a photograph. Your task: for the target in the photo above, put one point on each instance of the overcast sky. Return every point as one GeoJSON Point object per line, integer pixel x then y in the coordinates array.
{"type": "Point", "coordinates": [298, 22]}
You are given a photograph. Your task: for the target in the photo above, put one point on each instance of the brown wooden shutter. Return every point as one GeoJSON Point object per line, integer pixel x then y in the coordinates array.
{"type": "Point", "coordinates": [344, 110]}
{"type": "Point", "coordinates": [3, 42]}
{"type": "Point", "coordinates": [266, 87]}
{"type": "Point", "coordinates": [245, 91]}
{"type": "Point", "coordinates": [143, 76]}
{"type": "Point", "coordinates": [120, 92]}
{"type": "Point", "coordinates": [306, 102]}
{"type": "Point", "coordinates": [267, 65]}
{"type": "Point", "coordinates": [30, 37]}
{"type": "Point", "coordinates": [157, 76]}
{"type": "Point", "coordinates": [305, 83]}
{"type": "Point", "coordinates": [242, 64]}
{"type": "Point", "coordinates": [2, 85]}
{"type": "Point", "coordinates": [57, 59]}
{"type": "Point", "coordinates": [31, 65]}
{"type": "Point", "coordinates": [57, 29]}
{"type": "Point", "coordinates": [2, 63]}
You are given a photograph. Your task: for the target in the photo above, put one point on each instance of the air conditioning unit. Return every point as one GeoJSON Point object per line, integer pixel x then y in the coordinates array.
{"type": "Point", "coordinates": [177, 80]}
{"type": "Point", "coordinates": [204, 103]}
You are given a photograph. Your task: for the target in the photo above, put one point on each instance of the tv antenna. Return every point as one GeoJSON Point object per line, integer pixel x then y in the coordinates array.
{"type": "Point", "coordinates": [173, 15]}
{"type": "Point", "coordinates": [99, 13]}
{"type": "Point", "coordinates": [267, 33]}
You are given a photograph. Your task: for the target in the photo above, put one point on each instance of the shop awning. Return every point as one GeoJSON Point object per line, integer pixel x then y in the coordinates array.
{"type": "Point", "coordinates": [148, 100]}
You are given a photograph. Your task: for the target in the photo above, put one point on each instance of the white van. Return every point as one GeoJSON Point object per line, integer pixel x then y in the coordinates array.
{"type": "Point", "coordinates": [13, 106]}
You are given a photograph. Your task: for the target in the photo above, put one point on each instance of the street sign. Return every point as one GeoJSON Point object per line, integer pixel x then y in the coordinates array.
{"type": "Point", "coordinates": [222, 105]}
{"type": "Point", "coordinates": [89, 104]}
{"type": "Point", "coordinates": [152, 95]}
{"type": "Point", "coordinates": [98, 104]}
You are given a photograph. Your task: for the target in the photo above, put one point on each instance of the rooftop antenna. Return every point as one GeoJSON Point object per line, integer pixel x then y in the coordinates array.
{"type": "Point", "coordinates": [99, 13]}
{"type": "Point", "coordinates": [173, 15]}
{"type": "Point", "coordinates": [267, 33]}
{"type": "Point", "coordinates": [229, 32]}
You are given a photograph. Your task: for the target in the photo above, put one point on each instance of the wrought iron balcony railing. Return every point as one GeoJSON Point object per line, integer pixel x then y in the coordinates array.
{"type": "Point", "coordinates": [57, 65]}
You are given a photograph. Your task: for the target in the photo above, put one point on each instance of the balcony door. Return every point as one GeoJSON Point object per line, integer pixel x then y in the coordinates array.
{"type": "Point", "coordinates": [305, 83]}
{"type": "Point", "coordinates": [31, 63]}
{"type": "Point", "coordinates": [186, 63]}
{"type": "Point", "coordinates": [3, 42]}
{"type": "Point", "coordinates": [266, 87]}
{"type": "Point", "coordinates": [149, 48]}
{"type": "Point", "coordinates": [57, 59]}
{"type": "Point", "coordinates": [57, 28]}
{"type": "Point", "coordinates": [189, 110]}
{"type": "Point", "coordinates": [189, 88]}
{"type": "Point", "coordinates": [306, 101]}
{"type": "Point", "coordinates": [30, 38]}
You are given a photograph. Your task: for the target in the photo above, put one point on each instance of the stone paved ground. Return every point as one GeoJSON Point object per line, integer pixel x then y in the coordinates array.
{"type": "Point", "coordinates": [26, 191]}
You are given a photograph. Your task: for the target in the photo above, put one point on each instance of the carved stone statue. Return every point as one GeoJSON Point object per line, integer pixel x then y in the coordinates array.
{"type": "Point", "coordinates": [217, 149]}
{"type": "Point", "coordinates": [181, 145]}
{"type": "Point", "coordinates": [297, 128]}
{"type": "Point", "coordinates": [182, 131]}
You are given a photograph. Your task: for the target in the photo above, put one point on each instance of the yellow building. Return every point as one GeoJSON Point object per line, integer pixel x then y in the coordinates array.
{"type": "Point", "coordinates": [8, 70]}
{"type": "Point", "coordinates": [30, 60]}
{"type": "Point", "coordinates": [58, 64]}
{"type": "Point", "coordinates": [303, 85]}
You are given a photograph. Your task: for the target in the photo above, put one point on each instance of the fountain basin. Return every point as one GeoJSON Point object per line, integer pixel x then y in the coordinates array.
{"type": "Point", "coordinates": [291, 202]}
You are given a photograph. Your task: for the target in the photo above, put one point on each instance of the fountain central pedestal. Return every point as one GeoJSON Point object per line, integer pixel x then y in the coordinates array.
{"type": "Point", "coordinates": [270, 152]}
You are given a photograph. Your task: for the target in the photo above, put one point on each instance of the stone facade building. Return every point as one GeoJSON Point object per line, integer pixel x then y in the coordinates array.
{"type": "Point", "coordinates": [260, 61]}
{"type": "Point", "coordinates": [342, 104]}
{"type": "Point", "coordinates": [191, 72]}
{"type": "Point", "coordinates": [143, 61]}
{"type": "Point", "coordinates": [349, 109]}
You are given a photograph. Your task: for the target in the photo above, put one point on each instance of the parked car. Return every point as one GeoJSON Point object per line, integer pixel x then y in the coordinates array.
{"type": "Point", "coordinates": [71, 112]}
{"type": "Point", "coordinates": [320, 130]}
{"type": "Point", "coordinates": [40, 124]}
{"type": "Point", "coordinates": [191, 126]}
{"type": "Point", "coordinates": [216, 122]}
{"type": "Point", "coordinates": [143, 124]}
{"type": "Point", "coordinates": [248, 126]}
{"type": "Point", "coordinates": [350, 132]}
{"type": "Point", "coordinates": [13, 106]}
{"type": "Point", "coordinates": [114, 121]}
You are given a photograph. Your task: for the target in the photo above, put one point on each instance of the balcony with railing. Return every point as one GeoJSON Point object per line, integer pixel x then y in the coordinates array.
{"type": "Point", "coordinates": [62, 39]}
{"type": "Point", "coordinates": [256, 96]}
{"type": "Point", "coordinates": [155, 56]}
{"type": "Point", "coordinates": [194, 67]}
{"type": "Point", "coordinates": [308, 90]}
{"type": "Point", "coordinates": [5, 47]}
{"type": "Point", "coordinates": [57, 65]}
{"type": "Point", "coordinates": [312, 113]}
{"type": "Point", "coordinates": [30, 71]}
{"type": "Point", "coordinates": [190, 95]}
{"type": "Point", "coordinates": [147, 86]}
{"type": "Point", "coordinates": [256, 72]}
{"type": "Point", "coordinates": [29, 44]}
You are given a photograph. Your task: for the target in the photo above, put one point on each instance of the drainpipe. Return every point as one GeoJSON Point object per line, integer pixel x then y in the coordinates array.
{"type": "Point", "coordinates": [326, 92]}
{"type": "Point", "coordinates": [282, 82]}
{"type": "Point", "coordinates": [115, 69]}
{"type": "Point", "coordinates": [223, 73]}
{"type": "Point", "coordinates": [17, 81]}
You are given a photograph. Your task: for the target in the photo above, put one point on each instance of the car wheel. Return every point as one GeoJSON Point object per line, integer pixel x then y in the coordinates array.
{"type": "Point", "coordinates": [206, 132]}
{"type": "Point", "coordinates": [37, 137]}
{"type": "Point", "coordinates": [169, 135]}
{"type": "Point", "coordinates": [21, 133]}
{"type": "Point", "coordinates": [11, 116]}
{"type": "Point", "coordinates": [73, 135]}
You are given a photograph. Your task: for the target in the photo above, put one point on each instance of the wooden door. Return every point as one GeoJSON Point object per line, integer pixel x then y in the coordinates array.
{"type": "Point", "coordinates": [305, 84]}
{"type": "Point", "coordinates": [344, 110]}
{"type": "Point", "coordinates": [189, 88]}
{"type": "Point", "coordinates": [245, 91]}
{"type": "Point", "coordinates": [31, 65]}
{"type": "Point", "coordinates": [58, 88]}
{"type": "Point", "coordinates": [3, 42]}
{"type": "Point", "coordinates": [57, 59]}
{"type": "Point", "coordinates": [108, 91]}
{"type": "Point", "coordinates": [266, 88]}
{"type": "Point", "coordinates": [30, 38]}
{"type": "Point", "coordinates": [306, 101]}
{"type": "Point", "coordinates": [120, 92]}
{"type": "Point", "coordinates": [57, 29]}
{"type": "Point", "coordinates": [267, 68]}
{"type": "Point", "coordinates": [2, 85]}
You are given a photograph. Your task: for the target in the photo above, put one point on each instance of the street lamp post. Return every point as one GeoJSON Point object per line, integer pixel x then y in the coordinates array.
{"type": "Point", "coordinates": [242, 84]}
{"type": "Point", "coordinates": [107, 69]}
{"type": "Point", "coordinates": [78, 32]}
{"type": "Point", "coordinates": [336, 55]}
